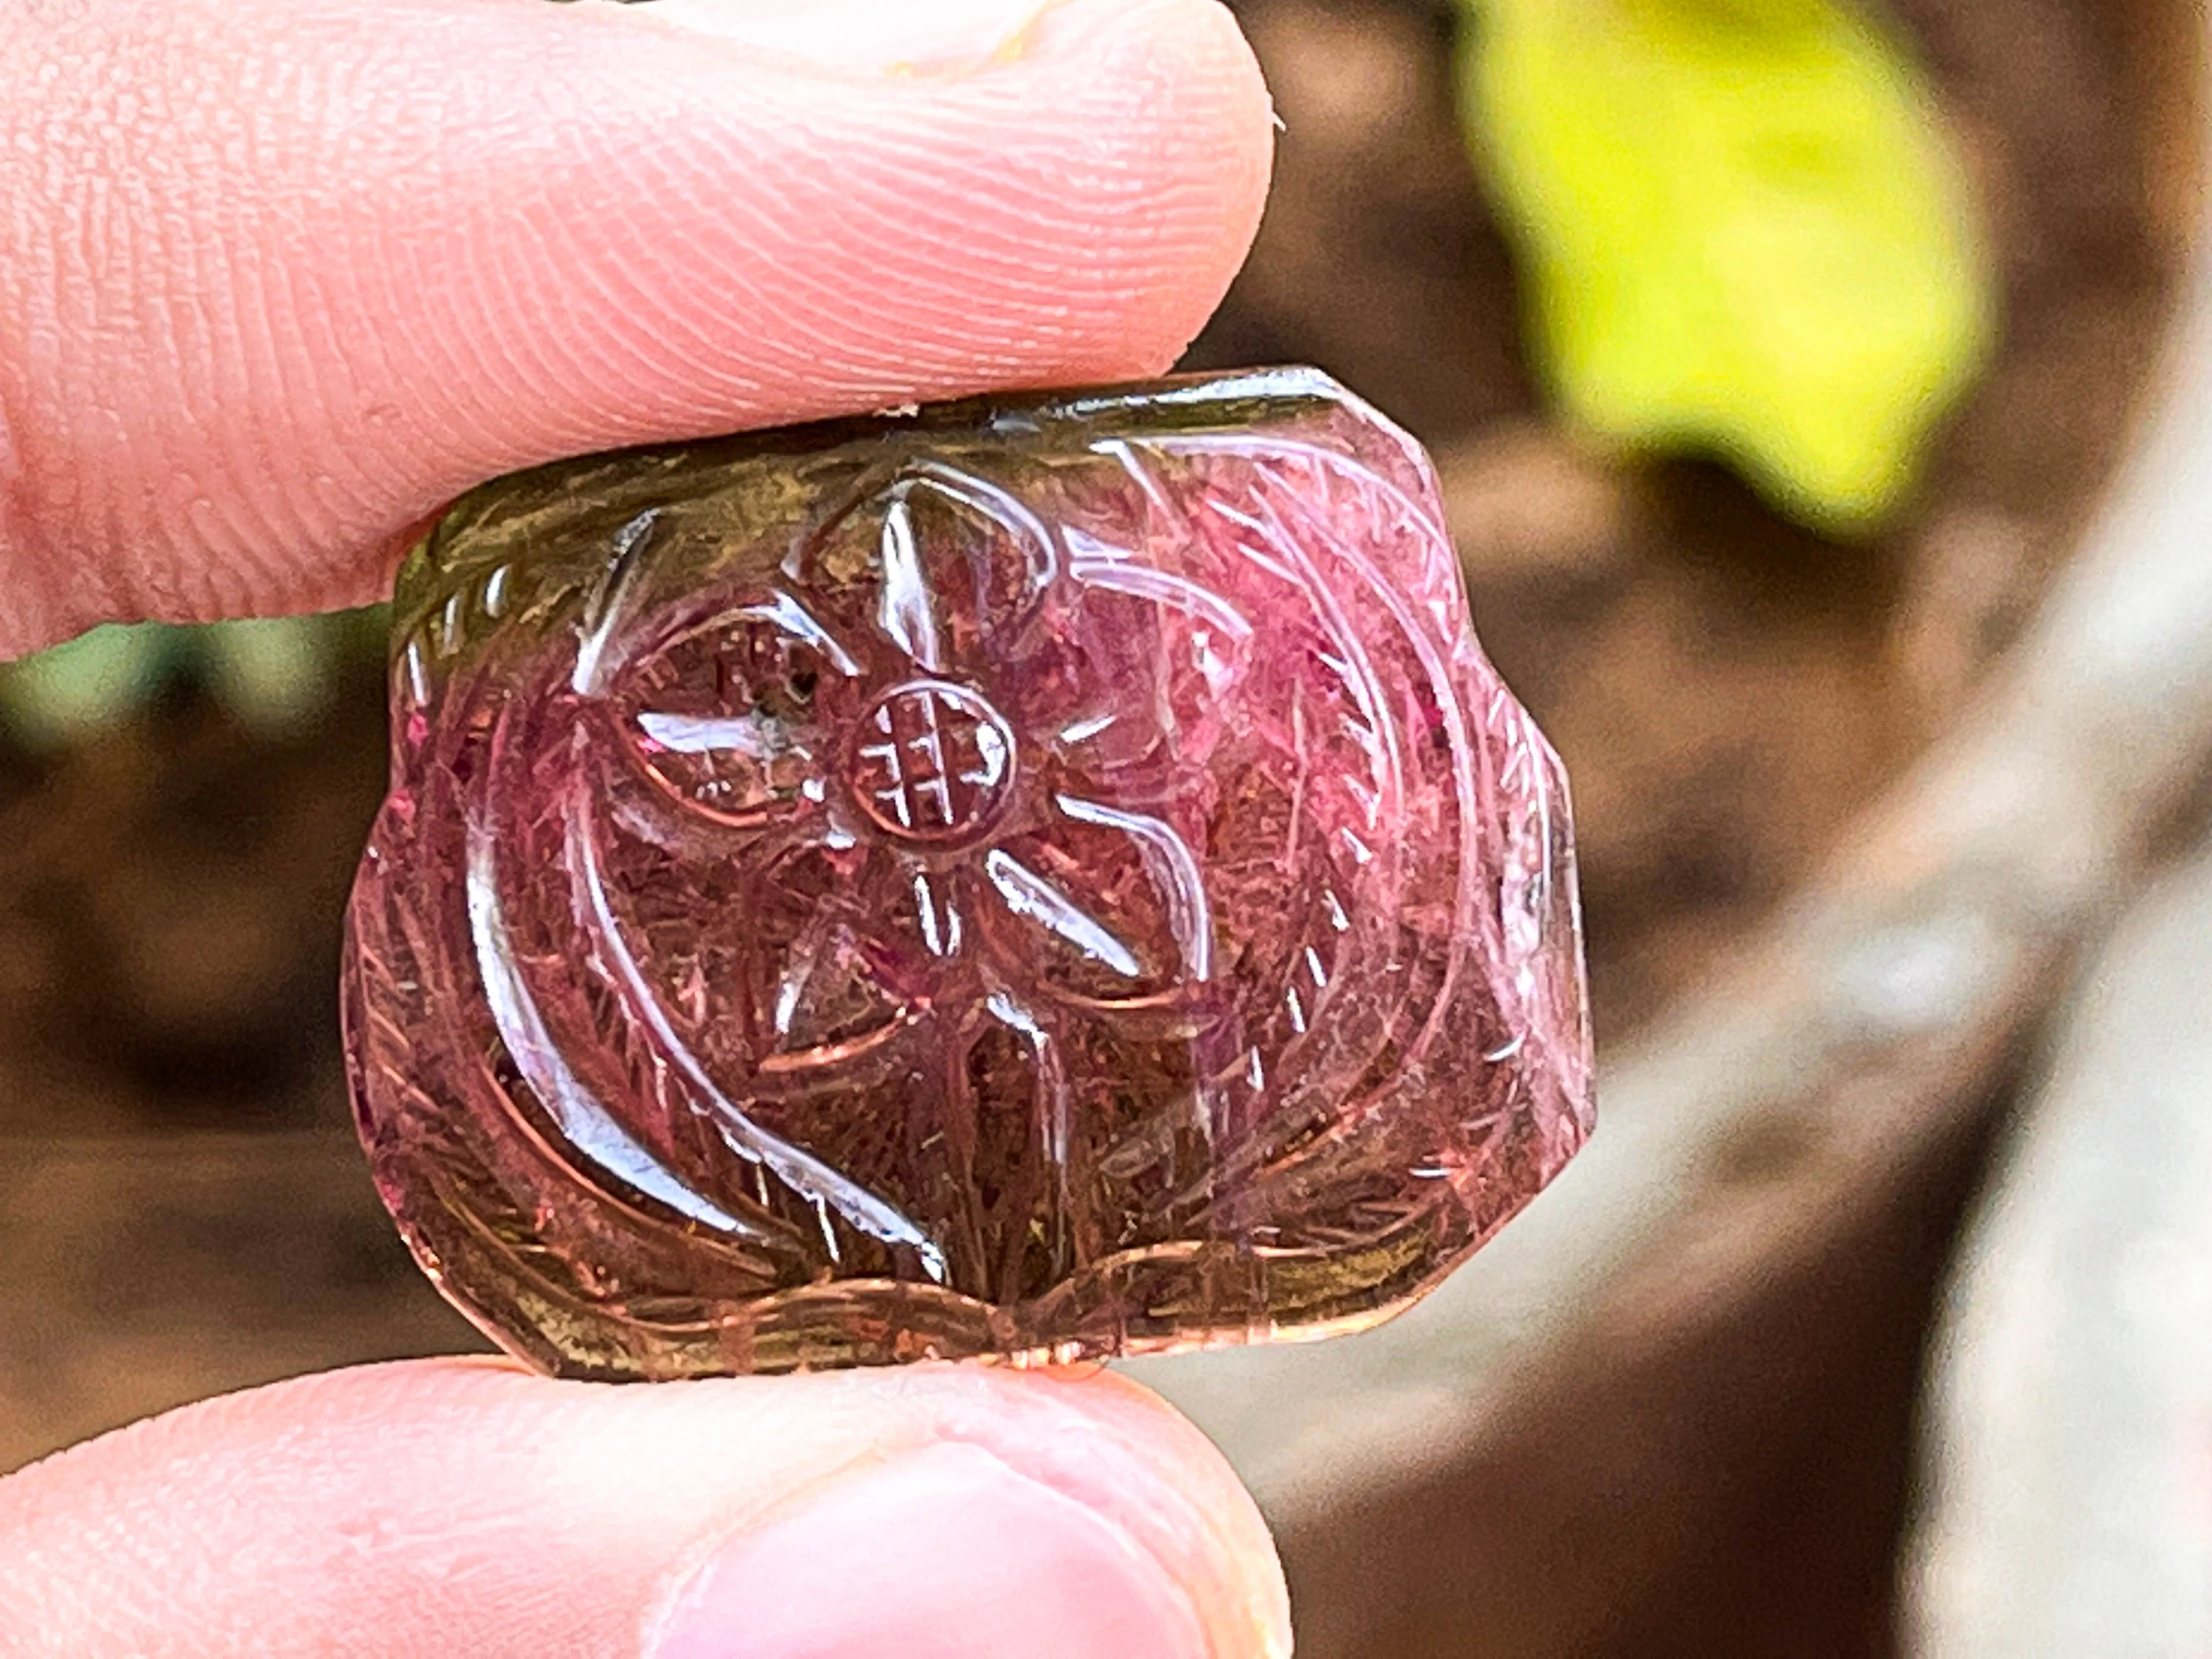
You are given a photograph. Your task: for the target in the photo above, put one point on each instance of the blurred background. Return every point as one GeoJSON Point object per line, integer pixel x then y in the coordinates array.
{"type": "Point", "coordinates": [1812, 388]}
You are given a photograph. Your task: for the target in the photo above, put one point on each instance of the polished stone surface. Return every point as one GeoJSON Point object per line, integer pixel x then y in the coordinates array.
{"type": "Point", "coordinates": [1054, 877]}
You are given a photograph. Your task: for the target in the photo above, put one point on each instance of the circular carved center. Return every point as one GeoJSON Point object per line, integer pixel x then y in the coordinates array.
{"type": "Point", "coordinates": [933, 763]}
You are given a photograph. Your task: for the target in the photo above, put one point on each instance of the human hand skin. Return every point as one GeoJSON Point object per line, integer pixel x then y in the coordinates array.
{"type": "Point", "coordinates": [281, 276]}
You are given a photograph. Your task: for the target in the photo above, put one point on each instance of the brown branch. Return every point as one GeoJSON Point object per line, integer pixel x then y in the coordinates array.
{"type": "Point", "coordinates": [2071, 1411]}
{"type": "Point", "coordinates": [1850, 1045]}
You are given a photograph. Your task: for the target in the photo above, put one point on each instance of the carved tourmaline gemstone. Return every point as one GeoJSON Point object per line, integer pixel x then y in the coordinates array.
{"type": "Point", "coordinates": [1049, 877]}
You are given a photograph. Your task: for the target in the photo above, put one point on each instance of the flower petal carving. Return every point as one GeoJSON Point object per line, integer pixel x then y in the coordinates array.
{"type": "Point", "coordinates": [1104, 908]}
{"type": "Point", "coordinates": [733, 714]}
{"type": "Point", "coordinates": [1131, 692]}
{"type": "Point", "coordinates": [935, 570]}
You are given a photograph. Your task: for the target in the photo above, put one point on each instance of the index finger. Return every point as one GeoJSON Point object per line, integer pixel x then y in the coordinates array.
{"type": "Point", "coordinates": [286, 276]}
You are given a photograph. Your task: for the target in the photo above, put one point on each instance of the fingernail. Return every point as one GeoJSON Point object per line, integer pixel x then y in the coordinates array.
{"type": "Point", "coordinates": [888, 37]}
{"type": "Point", "coordinates": [940, 1552]}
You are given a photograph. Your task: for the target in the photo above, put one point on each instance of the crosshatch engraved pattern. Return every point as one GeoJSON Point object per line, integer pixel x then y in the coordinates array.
{"type": "Point", "coordinates": [1049, 877]}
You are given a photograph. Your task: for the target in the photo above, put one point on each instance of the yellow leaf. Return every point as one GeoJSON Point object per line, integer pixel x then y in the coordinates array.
{"type": "Point", "coordinates": [1744, 232]}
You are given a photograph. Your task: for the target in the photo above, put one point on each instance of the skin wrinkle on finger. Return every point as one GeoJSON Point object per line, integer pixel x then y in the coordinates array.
{"type": "Point", "coordinates": [370, 253]}
{"type": "Point", "coordinates": [806, 338]}
{"type": "Point", "coordinates": [898, 223]}
{"type": "Point", "coordinates": [127, 208]}
{"type": "Point", "coordinates": [13, 553]}
{"type": "Point", "coordinates": [424, 1501]}
{"type": "Point", "coordinates": [900, 215]}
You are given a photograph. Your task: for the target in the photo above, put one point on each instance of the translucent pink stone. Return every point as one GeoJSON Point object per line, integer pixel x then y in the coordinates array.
{"type": "Point", "coordinates": [1051, 878]}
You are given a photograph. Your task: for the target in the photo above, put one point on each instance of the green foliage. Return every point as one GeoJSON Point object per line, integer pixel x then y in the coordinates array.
{"type": "Point", "coordinates": [1743, 231]}
{"type": "Point", "coordinates": [95, 681]}
{"type": "Point", "coordinates": [275, 675]}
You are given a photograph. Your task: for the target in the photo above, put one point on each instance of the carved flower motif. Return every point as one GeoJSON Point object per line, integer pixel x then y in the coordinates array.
{"type": "Point", "coordinates": [976, 756]}
{"type": "Point", "coordinates": [1101, 905]}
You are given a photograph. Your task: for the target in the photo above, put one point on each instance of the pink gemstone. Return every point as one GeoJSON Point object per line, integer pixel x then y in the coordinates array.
{"type": "Point", "coordinates": [1052, 878]}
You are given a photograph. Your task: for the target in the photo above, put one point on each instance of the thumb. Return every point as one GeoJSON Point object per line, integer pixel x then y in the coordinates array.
{"type": "Point", "coordinates": [422, 1510]}
{"type": "Point", "coordinates": [285, 276]}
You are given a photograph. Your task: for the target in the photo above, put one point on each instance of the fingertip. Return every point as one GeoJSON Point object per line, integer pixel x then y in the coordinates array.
{"type": "Point", "coordinates": [969, 1502]}
{"type": "Point", "coordinates": [469, 238]}
{"type": "Point", "coordinates": [1210, 169]}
